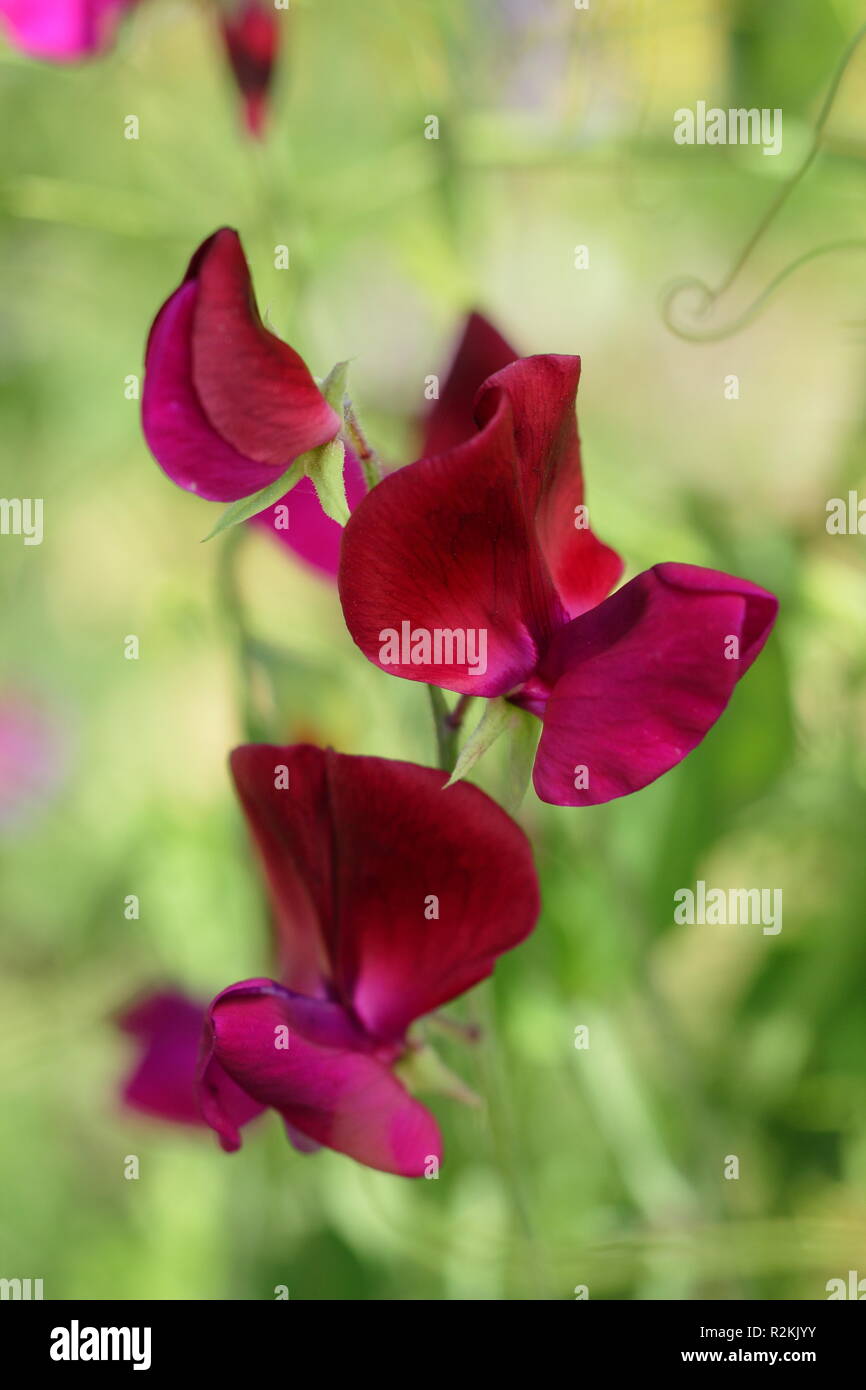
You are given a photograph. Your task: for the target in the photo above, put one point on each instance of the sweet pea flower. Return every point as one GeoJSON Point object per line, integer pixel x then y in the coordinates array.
{"type": "Point", "coordinates": [475, 569]}
{"type": "Point", "coordinates": [390, 897]}
{"type": "Point", "coordinates": [62, 31]}
{"type": "Point", "coordinates": [227, 406]}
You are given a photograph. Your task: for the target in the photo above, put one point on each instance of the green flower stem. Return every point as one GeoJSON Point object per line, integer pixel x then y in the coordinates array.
{"type": "Point", "coordinates": [371, 464]}
{"type": "Point", "coordinates": [231, 608]}
{"type": "Point", "coordinates": [446, 726]}
{"type": "Point", "coordinates": [503, 1130]}
{"type": "Point", "coordinates": [481, 1028]}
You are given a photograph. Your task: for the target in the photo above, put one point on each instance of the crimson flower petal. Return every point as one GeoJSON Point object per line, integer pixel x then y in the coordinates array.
{"type": "Point", "coordinates": [637, 683]}
{"type": "Point", "coordinates": [481, 351]}
{"type": "Point", "coordinates": [292, 830]}
{"type": "Point", "coordinates": [542, 391]}
{"type": "Point", "coordinates": [255, 389]}
{"type": "Point", "coordinates": [389, 892]}
{"type": "Point", "coordinates": [179, 434]}
{"type": "Point", "coordinates": [168, 1026]}
{"type": "Point", "coordinates": [470, 541]}
{"type": "Point", "coordinates": [443, 546]}
{"type": "Point", "coordinates": [262, 1037]}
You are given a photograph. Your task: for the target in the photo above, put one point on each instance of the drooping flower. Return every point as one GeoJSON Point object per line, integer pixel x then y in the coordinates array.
{"type": "Point", "coordinates": [485, 548]}
{"type": "Point", "coordinates": [62, 31]}
{"type": "Point", "coordinates": [227, 406]}
{"type": "Point", "coordinates": [390, 897]}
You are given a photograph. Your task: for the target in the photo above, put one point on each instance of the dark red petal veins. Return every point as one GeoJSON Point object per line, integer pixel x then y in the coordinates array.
{"type": "Point", "coordinates": [483, 539]}
{"type": "Point", "coordinates": [542, 392]}
{"type": "Point", "coordinates": [432, 886]}
{"type": "Point", "coordinates": [441, 552]}
{"type": "Point", "coordinates": [389, 892]}
{"type": "Point", "coordinates": [285, 796]}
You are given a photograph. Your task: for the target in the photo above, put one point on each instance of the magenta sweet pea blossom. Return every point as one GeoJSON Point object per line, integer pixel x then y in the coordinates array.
{"type": "Point", "coordinates": [389, 898]}
{"type": "Point", "coordinates": [227, 406]}
{"type": "Point", "coordinates": [475, 569]}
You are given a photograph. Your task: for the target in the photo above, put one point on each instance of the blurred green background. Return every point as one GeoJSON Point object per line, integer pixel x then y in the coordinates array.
{"type": "Point", "coordinates": [603, 1167]}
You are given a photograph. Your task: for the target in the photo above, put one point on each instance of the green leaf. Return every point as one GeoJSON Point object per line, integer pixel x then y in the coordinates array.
{"type": "Point", "coordinates": [251, 506]}
{"type": "Point", "coordinates": [493, 722]}
{"type": "Point", "coordinates": [325, 467]}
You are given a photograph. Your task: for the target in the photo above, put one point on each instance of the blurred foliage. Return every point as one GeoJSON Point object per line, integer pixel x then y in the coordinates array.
{"type": "Point", "coordinates": [601, 1167]}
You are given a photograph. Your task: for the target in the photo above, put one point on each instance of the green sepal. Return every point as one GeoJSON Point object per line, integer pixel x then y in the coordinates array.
{"type": "Point", "coordinates": [323, 465]}
{"type": "Point", "coordinates": [248, 507]}
{"type": "Point", "coordinates": [493, 722]}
